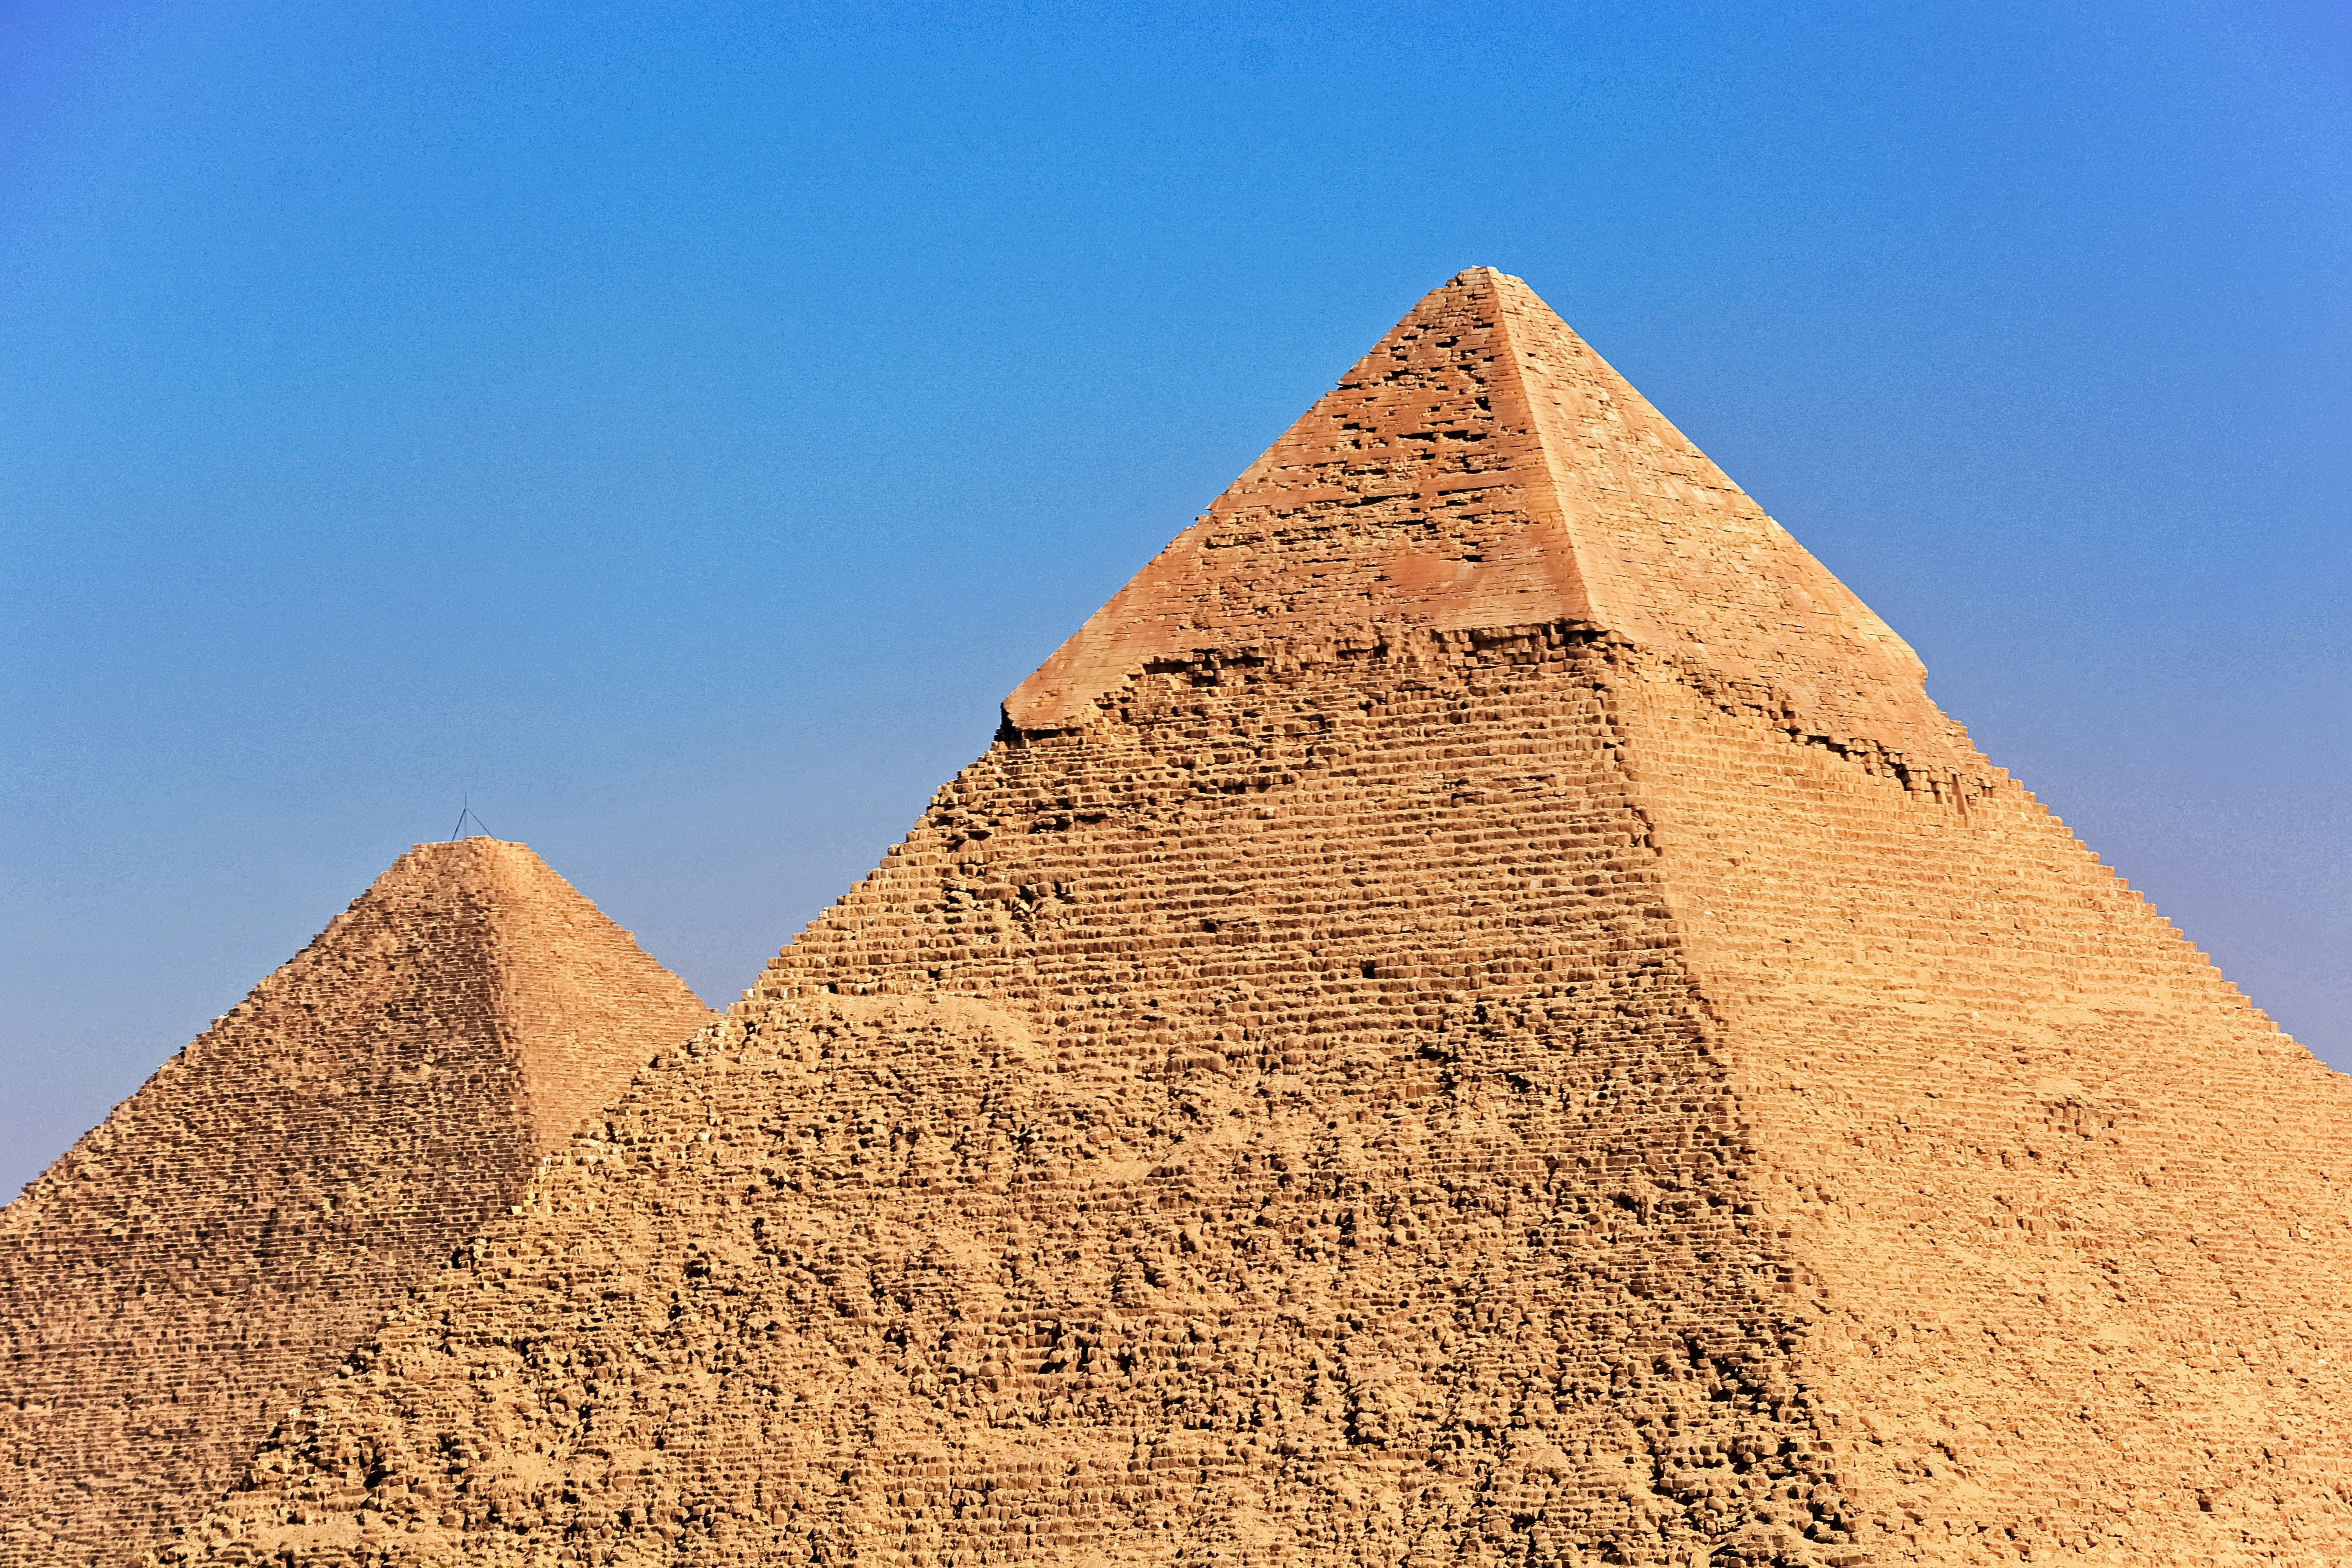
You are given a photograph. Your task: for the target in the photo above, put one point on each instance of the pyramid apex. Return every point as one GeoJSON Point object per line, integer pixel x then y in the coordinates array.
{"type": "Point", "coordinates": [474, 849]}
{"type": "Point", "coordinates": [1483, 467]}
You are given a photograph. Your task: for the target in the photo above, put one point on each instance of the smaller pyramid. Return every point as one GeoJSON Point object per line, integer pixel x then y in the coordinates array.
{"type": "Point", "coordinates": [185, 1272]}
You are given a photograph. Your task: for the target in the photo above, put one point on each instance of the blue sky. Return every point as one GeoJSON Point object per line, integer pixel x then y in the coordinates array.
{"type": "Point", "coordinates": [675, 427]}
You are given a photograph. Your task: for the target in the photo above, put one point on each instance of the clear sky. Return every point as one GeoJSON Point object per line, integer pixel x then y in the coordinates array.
{"type": "Point", "coordinates": [675, 427]}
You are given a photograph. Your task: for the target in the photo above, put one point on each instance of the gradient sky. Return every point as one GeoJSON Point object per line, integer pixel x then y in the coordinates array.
{"type": "Point", "coordinates": [675, 427]}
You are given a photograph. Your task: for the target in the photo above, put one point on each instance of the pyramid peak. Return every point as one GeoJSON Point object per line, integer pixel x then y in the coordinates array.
{"type": "Point", "coordinates": [1482, 468]}
{"type": "Point", "coordinates": [432, 848]}
{"type": "Point", "coordinates": [562, 972]}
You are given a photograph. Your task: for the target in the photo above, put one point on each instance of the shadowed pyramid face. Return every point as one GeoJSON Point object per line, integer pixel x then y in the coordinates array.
{"type": "Point", "coordinates": [186, 1274]}
{"type": "Point", "coordinates": [1474, 1013]}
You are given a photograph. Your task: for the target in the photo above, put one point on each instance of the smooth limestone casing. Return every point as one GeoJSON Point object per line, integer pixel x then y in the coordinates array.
{"type": "Point", "coordinates": [188, 1271]}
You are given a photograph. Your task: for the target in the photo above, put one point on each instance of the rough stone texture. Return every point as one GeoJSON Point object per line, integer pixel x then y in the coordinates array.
{"type": "Point", "coordinates": [181, 1277]}
{"type": "Point", "coordinates": [1476, 1014]}
{"type": "Point", "coordinates": [2073, 1219]}
{"type": "Point", "coordinates": [1421, 1273]}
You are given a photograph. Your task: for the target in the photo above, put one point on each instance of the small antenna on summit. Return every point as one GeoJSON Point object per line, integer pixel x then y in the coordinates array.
{"type": "Point", "coordinates": [465, 810]}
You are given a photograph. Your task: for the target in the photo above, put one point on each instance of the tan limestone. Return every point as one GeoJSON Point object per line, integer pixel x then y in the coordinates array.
{"type": "Point", "coordinates": [181, 1277]}
{"type": "Point", "coordinates": [1474, 1013]}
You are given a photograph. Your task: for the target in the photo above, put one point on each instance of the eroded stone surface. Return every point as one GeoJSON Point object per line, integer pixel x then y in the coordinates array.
{"type": "Point", "coordinates": [1417, 1131]}
{"type": "Point", "coordinates": [933, 1287]}
{"type": "Point", "coordinates": [1476, 1013]}
{"type": "Point", "coordinates": [183, 1275]}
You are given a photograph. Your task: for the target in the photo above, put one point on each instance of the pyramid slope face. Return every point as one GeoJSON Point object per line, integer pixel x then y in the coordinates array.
{"type": "Point", "coordinates": [1527, 1060]}
{"type": "Point", "coordinates": [2047, 1222]}
{"type": "Point", "coordinates": [178, 1279]}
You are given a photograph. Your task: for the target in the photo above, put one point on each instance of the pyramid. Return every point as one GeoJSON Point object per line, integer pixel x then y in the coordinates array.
{"type": "Point", "coordinates": [185, 1274]}
{"type": "Point", "coordinates": [1476, 1013]}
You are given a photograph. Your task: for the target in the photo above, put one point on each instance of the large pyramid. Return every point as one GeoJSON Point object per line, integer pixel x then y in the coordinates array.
{"type": "Point", "coordinates": [185, 1275]}
{"type": "Point", "coordinates": [1476, 1013]}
